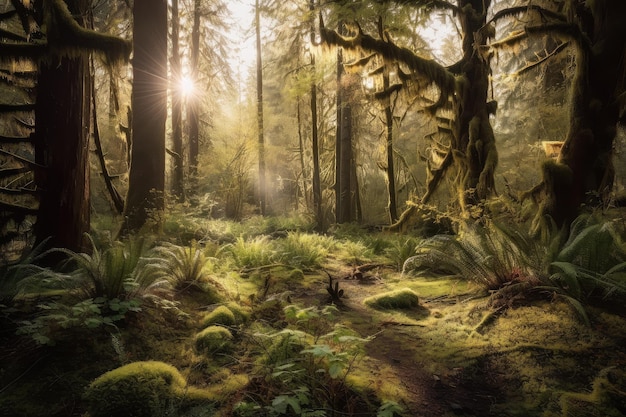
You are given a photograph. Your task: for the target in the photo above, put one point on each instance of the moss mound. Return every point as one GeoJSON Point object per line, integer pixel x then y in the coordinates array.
{"type": "Point", "coordinates": [242, 315]}
{"type": "Point", "coordinates": [404, 298]}
{"type": "Point", "coordinates": [139, 389]}
{"type": "Point", "coordinates": [221, 315]}
{"type": "Point", "coordinates": [213, 339]}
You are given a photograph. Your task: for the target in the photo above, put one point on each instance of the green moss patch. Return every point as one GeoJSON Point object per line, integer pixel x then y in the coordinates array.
{"type": "Point", "coordinates": [404, 298]}
{"type": "Point", "coordinates": [213, 339]}
{"type": "Point", "coordinates": [222, 315]}
{"type": "Point", "coordinates": [140, 389]}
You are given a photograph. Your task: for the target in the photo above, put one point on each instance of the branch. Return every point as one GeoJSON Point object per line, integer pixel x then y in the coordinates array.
{"type": "Point", "coordinates": [556, 51]}
{"type": "Point", "coordinates": [7, 108]}
{"type": "Point", "coordinates": [65, 34]}
{"type": "Point", "coordinates": [15, 139]}
{"type": "Point", "coordinates": [434, 72]}
{"type": "Point", "coordinates": [514, 11]}
{"type": "Point", "coordinates": [21, 159]}
{"type": "Point", "coordinates": [426, 4]}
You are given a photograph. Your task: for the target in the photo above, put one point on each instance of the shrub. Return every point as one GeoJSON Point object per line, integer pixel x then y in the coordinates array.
{"type": "Point", "coordinates": [213, 339]}
{"type": "Point", "coordinates": [404, 298]}
{"type": "Point", "coordinates": [139, 389]}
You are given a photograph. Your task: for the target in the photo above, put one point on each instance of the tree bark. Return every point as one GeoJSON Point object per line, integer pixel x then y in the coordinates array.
{"type": "Point", "coordinates": [192, 103]}
{"type": "Point", "coordinates": [259, 98]}
{"type": "Point", "coordinates": [146, 187]}
{"type": "Point", "coordinates": [317, 183]}
{"type": "Point", "coordinates": [583, 174]}
{"type": "Point", "coordinates": [178, 189]}
{"type": "Point", "coordinates": [62, 145]}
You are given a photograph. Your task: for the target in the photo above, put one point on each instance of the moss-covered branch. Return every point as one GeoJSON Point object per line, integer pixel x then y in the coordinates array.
{"type": "Point", "coordinates": [431, 70]}
{"type": "Point", "coordinates": [65, 35]}
{"type": "Point", "coordinates": [515, 11]}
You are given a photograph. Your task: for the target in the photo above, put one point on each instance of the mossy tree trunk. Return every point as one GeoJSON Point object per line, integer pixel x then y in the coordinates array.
{"type": "Point", "coordinates": [145, 200]}
{"type": "Point", "coordinates": [595, 111]}
{"type": "Point", "coordinates": [583, 173]}
{"type": "Point", "coordinates": [474, 142]}
{"type": "Point", "coordinates": [463, 85]}
{"type": "Point", "coordinates": [62, 130]}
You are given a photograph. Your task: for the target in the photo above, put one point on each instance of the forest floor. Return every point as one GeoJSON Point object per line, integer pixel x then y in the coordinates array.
{"type": "Point", "coordinates": [453, 355]}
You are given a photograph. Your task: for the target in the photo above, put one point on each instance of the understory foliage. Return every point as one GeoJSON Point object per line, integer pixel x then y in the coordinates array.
{"type": "Point", "coordinates": [305, 366]}
{"type": "Point", "coordinates": [508, 262]}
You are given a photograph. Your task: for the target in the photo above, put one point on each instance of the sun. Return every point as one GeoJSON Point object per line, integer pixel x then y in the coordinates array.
{"type": "Point", "coordinates": [186, 86]}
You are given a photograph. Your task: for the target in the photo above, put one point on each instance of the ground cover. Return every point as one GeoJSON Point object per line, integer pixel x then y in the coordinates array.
{"type": "Point", "coordinates": [295, 326]}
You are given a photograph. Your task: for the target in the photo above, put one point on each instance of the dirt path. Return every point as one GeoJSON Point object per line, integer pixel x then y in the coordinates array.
{"type": "Point", "coordinates": [395, 355]}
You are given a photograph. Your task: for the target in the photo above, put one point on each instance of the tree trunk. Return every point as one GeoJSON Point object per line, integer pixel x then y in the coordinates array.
{"type": "Point", "coordinates": [317, 183]}
{"type": "Point", "coordinates": [474, 137]}
{"type": "Point", "coordinates": [345, 211]}
{"type": "Point", "coordinates": [391, 179]}
{"type": "Point", "coordinates": [584, 172]}
{"type": "Point", "coordinates": [259, 97]}
{"type": "Point", "coordinates": [62, 145]}
{"type": "Point", "coordinates": [149, 102]}
{"type": "Point", "coordinates": [344, 185]}
{"type": "Point", "coordinates": [192, 103]}
{"type": "Point", "coordinates": [178, 189]}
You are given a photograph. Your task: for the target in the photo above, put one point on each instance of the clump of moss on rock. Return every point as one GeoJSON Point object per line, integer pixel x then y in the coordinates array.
{"type": "Point", "coordinates": [402, 299]}
{"type": "Point", "coordinates": [222, 315]}
{"type": "Point", "coordinates": [140, 389]}
{"type": "Point", "coordinates": [214, 339]}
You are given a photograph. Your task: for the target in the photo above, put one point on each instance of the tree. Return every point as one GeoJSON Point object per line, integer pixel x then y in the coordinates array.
{"type": "Point", "coordinates": [462, 87]}
{"type": "Point", "coordinates": [62, 111]}
{"type": "Point", "coordinates": [193, 123]}
{"type": "Point", "coordinates": [583, 173]}
{"type": "Point", "coordinates": [149, 102]}
{"type": "Point", "coordinates": [178, 173]}
{"type": "Point", "coordinates": [259, 92]}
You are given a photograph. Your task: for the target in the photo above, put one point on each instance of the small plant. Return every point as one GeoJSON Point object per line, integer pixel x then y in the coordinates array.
{"type": "Point", "coordinates": [184, 265]}
{"type": "Point", "coordinates": [333, 290]}
{"type": "Point", "coordinates": [401, 248]}
{"type": "Point", "coordinates": [305, 251]}
{"type": "Point", "coordinates": [251, 253]}
{"type": "Point", "coordinates": [307, 363]}
{"type": "Point", "coordinates": [13, 276]}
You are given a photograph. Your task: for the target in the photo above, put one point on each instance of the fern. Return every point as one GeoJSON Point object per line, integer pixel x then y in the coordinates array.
{"type": "Point", "coordinates": [491, 255]}
{"type": "Point", "coordinates": [184, 265]}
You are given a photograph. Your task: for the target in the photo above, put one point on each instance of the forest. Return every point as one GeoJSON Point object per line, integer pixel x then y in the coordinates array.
{"type": "Point", "coordinates": [250, 208]}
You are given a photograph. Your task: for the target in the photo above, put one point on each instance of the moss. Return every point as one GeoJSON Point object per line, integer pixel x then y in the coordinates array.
{"type": "Point", "coordinates": [404, 298]}
{"type": "Point", "coordinates": [608, 397]}
{"type": "Point", "coordinates": [221, 315]}
{"type": "Point", "coordinates": [213, 339]}
{"type": "Point", "coordinates": [138, 389]}
{"type": "Point", "coordinates": [226, 385]}
{"type": "Point", "coordinates": [242, 315]}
